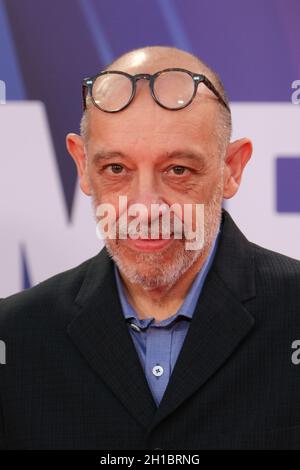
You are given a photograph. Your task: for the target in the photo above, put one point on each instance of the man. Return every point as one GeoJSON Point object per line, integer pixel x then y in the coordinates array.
{"type": "Point", "coordinates": [150, 344]}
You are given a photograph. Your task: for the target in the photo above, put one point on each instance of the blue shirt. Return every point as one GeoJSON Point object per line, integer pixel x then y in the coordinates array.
{"type": "Point", "coordinates": [158, 344]}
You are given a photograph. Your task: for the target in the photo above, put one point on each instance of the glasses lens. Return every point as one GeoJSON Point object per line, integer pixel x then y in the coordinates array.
{"type": "Point", "coordinates": [112, 91]}
{"type": "Point", "coordinates": [174, 89]}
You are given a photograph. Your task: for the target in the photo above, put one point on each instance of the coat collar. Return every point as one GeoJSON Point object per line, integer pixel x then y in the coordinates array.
{"type": "Point", "coordinates": [219, 324]}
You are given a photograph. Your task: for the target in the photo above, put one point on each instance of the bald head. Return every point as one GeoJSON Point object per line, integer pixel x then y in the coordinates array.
{"type": "Point", "coordinates": [154, 58]}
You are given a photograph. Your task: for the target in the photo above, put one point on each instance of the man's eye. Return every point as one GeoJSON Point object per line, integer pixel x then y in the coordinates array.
{"type": "Point", "coordinates": [115, 168]}
{"type": "Point", "coordinates": [179, 170]}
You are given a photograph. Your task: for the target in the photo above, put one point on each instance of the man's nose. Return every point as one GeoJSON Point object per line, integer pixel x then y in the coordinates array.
{"type": "Point", "coordinates": [147, 200]}
{"type": "Point", "coordinates": [146, 192]}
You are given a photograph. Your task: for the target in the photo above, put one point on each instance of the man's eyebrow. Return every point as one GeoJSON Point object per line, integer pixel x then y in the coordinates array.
{"type": "Point", "coordinates": [195, 156]}
{"type": "Point", "coordinates": [103, 155]}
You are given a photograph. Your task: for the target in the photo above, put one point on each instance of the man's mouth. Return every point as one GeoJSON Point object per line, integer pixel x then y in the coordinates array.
{"type": "Point", "coordinates": [149, 244]}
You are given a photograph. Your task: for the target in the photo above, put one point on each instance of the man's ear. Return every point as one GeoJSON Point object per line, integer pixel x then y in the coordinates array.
{"type": "Point", "coordinates": [237, 155]}
{"type": "Point", "coordinates": [75, 148]}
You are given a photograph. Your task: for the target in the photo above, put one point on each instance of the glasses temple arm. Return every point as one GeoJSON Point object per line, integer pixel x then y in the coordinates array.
{"type": "Point", "coordinates": [215, 91]}
{"type": "Point", "coordinates": [85, 90]}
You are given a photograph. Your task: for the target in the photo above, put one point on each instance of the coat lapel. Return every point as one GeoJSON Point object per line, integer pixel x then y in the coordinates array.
{"type": "Point", "coordinates": [101, 334]}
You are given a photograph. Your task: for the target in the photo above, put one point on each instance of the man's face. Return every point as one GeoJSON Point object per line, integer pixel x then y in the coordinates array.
{"type": "Point", "coordinates": [152, 155]}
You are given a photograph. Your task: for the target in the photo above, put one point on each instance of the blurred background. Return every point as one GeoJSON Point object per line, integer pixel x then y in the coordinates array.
{"type": "Point", "coordinates": [47, 47]}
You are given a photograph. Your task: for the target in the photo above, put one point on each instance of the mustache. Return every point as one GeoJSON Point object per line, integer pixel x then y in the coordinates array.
{"type": "Point", "coordinates": [174, 222]}
{"type": "Point", "coordinates": [157, 229]}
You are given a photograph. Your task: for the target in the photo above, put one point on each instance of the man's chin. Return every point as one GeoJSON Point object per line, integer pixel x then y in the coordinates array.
{"type": "Point", "coordinates": [153, 269]}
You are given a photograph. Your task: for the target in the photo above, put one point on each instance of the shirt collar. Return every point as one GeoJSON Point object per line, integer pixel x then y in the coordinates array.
{"type": "Point", "coordinates": [187, 308]}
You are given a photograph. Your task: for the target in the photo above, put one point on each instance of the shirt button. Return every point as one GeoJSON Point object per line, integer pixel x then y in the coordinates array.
{"type": "Point", "coordinates": [157, 370]}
